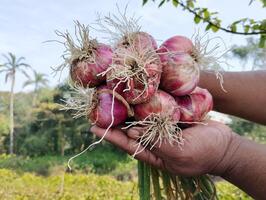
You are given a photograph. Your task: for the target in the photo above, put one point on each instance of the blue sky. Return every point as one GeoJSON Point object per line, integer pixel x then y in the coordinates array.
{"type": "Point", "coordinates": [26, 24]}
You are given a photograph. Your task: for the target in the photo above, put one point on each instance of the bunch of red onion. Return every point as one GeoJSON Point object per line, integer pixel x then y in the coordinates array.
{"type": "Point", "coordinates": [134, 78]}
{"type": "Point", "coordinates": [112, 83]}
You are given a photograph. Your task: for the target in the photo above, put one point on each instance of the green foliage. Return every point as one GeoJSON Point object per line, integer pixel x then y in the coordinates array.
{"type": "Point", "coordinates": [250, 52]}
{"type": "Point", "coordinates": [101, 160]}
{"type": "Point", "coordinates": [45, 129]}
{"type": "Point", "coordinates": [81, 187]}
{"type": "Point", "coordinates": [244, 26]}
{"type": "Point", "coordinates": [3, 125]}
{"type": "Point", "coordinates": [35, 146]}
{"type": "Point", "coordinates": [249, 129]}
{"type": "Point", "coordinates": [227, 191]}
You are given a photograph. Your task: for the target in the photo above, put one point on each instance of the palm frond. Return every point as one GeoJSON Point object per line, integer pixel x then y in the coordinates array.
{"type": "Point", "coordinates": [7, 65]}
{"type": "Point", "coordinates": [9, 74]}
{"type": "Point", "coordinates": [24, 73]}
{"type": "Point", "coordinates": [27, 83]}
{"type": "Point", "coordinates": [13, 58]}
{"type": "Point", "coordinates": [23, 64]}
{"type": "Point", "coordinates": [20, 59]}
{"type": "Point", "coordinates": [7, 58]}
{"type": "Point", "coordinates": [4, 70]}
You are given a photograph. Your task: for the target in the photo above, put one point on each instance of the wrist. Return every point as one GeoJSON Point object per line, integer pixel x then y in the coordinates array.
{"type": "Point", "coordinates": [230, 159]}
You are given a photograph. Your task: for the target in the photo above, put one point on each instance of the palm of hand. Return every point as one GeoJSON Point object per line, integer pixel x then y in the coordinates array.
{"type": "Point", "coordinates": [204, 148]}
{"type": "Point", "coordinates": [203, 151]}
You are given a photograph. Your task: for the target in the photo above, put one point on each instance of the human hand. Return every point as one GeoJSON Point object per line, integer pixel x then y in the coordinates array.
{"type": "Point", "coordinates": [207, 149]}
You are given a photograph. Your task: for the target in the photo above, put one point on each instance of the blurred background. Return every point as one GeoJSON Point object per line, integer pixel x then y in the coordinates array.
{"type": "Point", "coordinates": [45, 137]}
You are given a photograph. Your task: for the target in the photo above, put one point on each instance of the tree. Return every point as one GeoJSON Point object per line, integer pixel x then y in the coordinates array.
{"type": "Point", "coordinates": [39, 80]}
{"type": "Point", "coordinates": [244, 26]}
{"type": "Point", "coordinates": [10, 68]}
{"type": "Point", "coordinates": [250, 53]}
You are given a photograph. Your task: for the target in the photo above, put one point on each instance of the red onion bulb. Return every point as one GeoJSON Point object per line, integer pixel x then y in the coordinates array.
{"type": "Point", "coordinates": [101, 115]}
{"type": "Point", "coordinates": [179, 44]}
{"type": "Point", "coordinates": [138, 40]}
{"type": "Point", "coordinates": [161, 103]}
{"type": "Point", "coordinates": [181, 72]}
{"type": "Point", "coordinates": [85, 72]}
{"type": "Point", "coordinates": [195, 106]}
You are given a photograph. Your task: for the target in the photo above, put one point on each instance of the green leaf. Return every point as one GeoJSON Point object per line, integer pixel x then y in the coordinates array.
{"type": "Point", "coordinates": [262, 41]}
{"type": "Point", "coordinates": [233, 27]}
{"type": "Point", "coordinates": [162, 2]}
{"type": "Point", "coordinates": [206, 14]}
{"type": "Point", "coordinates": [256, 27]}
{"type": "Point", "coordinates": [190, 3]}
{"type": "Point", "coordinates": [214, 28]}
{"type": "Point", "coordinates": [156, 184]}
{"type": "Point", "coordinates": [175, 3]}
{"type": "Point", "coordinates": [252, 21]}
{"type": "Point", "coordinates": [144, 180]}
{"type": "Point", "coordinates": [263, 2]}
{"type": "Point", "coordinates": [237, 22]}
{"type": "Point", "coordinates": [208, 27]}
{"type": "Point", "coordinates": [263, 25]}
{"type": "Point", "coordinates": [246, 28]}
{"type": "Point", "coordinates": [144, 2]}
{"type": "Point", "coordinates": [197, 19]}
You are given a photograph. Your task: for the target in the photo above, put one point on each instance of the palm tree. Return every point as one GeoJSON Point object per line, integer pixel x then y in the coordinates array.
{"type": "Point", "coordinates": [39, 80]}
{"type": "Point", "coordinates": [10, 68]}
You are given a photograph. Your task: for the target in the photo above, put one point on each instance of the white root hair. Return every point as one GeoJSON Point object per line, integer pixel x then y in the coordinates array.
{"type": "Point", "coordinates": [117, 26]}
{"type": "Point", "coordinates": [157, 130]}
{"type": "Point", "coordinates": [81, 100]}
{"type": "Point", "coordinates": [80, 48]}
{"type": "Point", "coordinates": [210, 58]}
{"type": "Point", "coordinates": [132, 64]}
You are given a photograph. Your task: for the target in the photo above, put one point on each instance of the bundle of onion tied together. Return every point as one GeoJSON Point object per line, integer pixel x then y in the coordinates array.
{"type": "Point", "coordinates": [136, 83]}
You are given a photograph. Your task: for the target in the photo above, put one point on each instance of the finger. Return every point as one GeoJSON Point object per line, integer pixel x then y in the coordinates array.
{"type": "Point", "coordinates": [135, 132]}
{"type": "Point", "coordinates": [120, 139]}
{"type": "Point", "coordinates": [156, 146]}
{"type": "Point", "coordinates": [162, 147]}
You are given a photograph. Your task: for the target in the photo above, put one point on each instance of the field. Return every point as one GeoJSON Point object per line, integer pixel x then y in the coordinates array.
{"type": "Point", "coordinates": [28, 186]}
{"type": "Point", "coordinates": [90, 187]}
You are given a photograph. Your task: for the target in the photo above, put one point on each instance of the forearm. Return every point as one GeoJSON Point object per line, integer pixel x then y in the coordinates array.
{"type": "Point", "coordinates": [246, 166]}
{"type": "Point", "coordinates": [245, 96]}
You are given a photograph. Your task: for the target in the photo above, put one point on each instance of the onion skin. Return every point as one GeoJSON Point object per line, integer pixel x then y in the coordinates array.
{"type": "Point", "coordinates": [180, 73]}
{"type": "Point", "coordinates": [101, 114]}
{"type": "Point", "coordinates": [85, 73]}
{"type": "Point", "coordinates": [195, 106]}
{"type": "Point", "coordinates": [138, 40]}
{"type": "Point", "coordinates": [179, 44]}
{"type": "Point", "coordinates": [161, 103]}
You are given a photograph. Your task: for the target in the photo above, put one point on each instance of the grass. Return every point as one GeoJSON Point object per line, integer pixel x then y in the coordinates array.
{"type": "Point", "coordinates": [98, 161]}
{"type": "Point", "coordinates": [77, 187]}
{"type": "Point", "coordinates": [27, 186]}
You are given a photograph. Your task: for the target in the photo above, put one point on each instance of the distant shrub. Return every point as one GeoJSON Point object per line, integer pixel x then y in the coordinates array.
{"type": "Point", "coordinates": [34, 146]}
